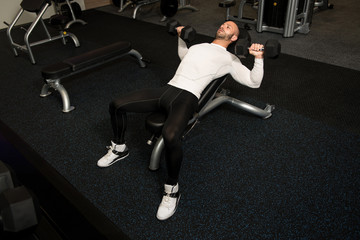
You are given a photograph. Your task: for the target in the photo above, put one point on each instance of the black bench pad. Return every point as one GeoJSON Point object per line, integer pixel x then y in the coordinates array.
{"type": "Point", "coordinates": [73, 64]}
{"type": "Point", "coordinates": [34, 5]}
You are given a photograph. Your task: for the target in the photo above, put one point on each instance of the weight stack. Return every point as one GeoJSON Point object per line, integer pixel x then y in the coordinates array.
{"type": "Point", "coordinates": [275, 12]}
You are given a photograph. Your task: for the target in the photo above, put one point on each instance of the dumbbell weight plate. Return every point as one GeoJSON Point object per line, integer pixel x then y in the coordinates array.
{"type": "Point", "coordinates": [6, 178]}
{"type": "Point", "coordinates": [272, 48]}
{"type": "Point", "coordinates": [241, 48]}
{"type": "Point", "coordinates": [76, 9]}
{"type": "Point", "coordinates": [188, 34]}
{"type": "Point", "coordinates": [18, 209]}
{"type": "Point", "coordinates": [171, 27]}
{"type": "Point", "coordinates": [65, 10]}
{"type": "Point", "coordinates": [169, 7]}
{"type": "Point", "coordinates": [116, 3]}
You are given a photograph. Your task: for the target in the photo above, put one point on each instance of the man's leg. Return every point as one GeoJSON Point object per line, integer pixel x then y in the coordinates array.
{"type": "Point", "coordinates": [145, 100]}
{"type": "Point", "coordinates": [180, 112]}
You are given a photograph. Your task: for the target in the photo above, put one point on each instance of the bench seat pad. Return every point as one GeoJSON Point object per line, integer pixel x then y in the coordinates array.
{"type": "Point", "coordinates": [77, 63]}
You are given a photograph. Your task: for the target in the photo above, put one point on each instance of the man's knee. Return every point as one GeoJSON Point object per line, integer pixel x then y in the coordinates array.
{"type": "Point", "coordinates": [171, 136]}
{"type": "Point", "coordinates": [115, 106]}
{"type": "Point", "coordinates": [112, 107]}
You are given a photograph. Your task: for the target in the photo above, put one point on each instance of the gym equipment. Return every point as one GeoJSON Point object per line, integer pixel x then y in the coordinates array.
{"type": "Point", "coordinates": [71, 11]}
{"type": "Point", "coordinates": [186, 5]}
{"type": "Point", "coordinates": [136, 3]}
{"type": "Point", "coordinates": [169, 7]}
{"type": "Point", "coordinates": [294, 21]}
{"type": "Point", "coordinates": [6, 178]}
{"type": "Point", "coordinates": [39, 7]}
{"type": "Point", "coordinates": [279, 16]}
{"type": "Point", "coordinates": [240, 48]}
{"type": "Point", "coordinates": [18, 210]}
{"type": "Point", "coordinates": [187, 34]}
{"type": "Point", "coordinates": [243, 41]}
{"type": "Point", "coordinates": [227, 4]}
{"type": "Point", "coordinates": [55, 72]}
{"type": "Point", "coordinates": [209, 100]}
{"type": "Point", "coordinates": [322, 5]}
{"type": "Point", "coordinates": [272, 48]}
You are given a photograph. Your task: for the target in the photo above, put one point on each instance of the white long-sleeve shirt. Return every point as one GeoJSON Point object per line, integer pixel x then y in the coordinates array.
{"type": "Point", "coordinates": [202, 63]}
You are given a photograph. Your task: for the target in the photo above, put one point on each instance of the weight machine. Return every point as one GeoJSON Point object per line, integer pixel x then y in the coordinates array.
{"type": "Point", "coordinates": [279, 16]}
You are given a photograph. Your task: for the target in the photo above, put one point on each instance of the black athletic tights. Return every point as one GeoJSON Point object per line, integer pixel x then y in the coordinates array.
{"type": "Point", "coordinates": [180, 106]}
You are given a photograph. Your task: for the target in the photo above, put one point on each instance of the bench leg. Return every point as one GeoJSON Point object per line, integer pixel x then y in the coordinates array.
{"type": "Point", "coordinates": [73, 37]}
{"type": "Point", "coordinates": [156, 154]}
{"type": "Point", "coordinates": [137, 55]}
{"type": "Point", "coordinates": [142, 4]}
{"type": "Point", "coordinates": [55, 84]}
{"type": "Point", "coordinates": [45, 90]}
{"type": "Point", "coordinates": [220, 99]}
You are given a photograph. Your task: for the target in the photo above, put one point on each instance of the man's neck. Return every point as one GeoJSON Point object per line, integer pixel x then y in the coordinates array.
{"type": "Point", "coordinates": [221, 42]}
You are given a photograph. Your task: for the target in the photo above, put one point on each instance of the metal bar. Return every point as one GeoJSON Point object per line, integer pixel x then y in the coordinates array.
{"type": "Point", "coordinates": [290, 18]}
{"type": "Point", "coordinates": [220, 99]}
{"type": "Point", "coordinates": [31, 28]}
{"type": "Point", "coordinates": [156, 154]}
{"type": "Point", "coordinates": [8, 31]}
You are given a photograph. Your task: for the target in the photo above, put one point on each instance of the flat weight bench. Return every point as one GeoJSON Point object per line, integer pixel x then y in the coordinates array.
{"type": "Point", "coordinates": [55, 72]}
{"type": "Point", "coordinates": [209, 100]}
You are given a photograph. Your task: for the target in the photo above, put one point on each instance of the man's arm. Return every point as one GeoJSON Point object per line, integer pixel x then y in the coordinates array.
{"type": "Point", "coordinates": [251, 78]}
{"type": "Point", "coordinates": [182, 47]}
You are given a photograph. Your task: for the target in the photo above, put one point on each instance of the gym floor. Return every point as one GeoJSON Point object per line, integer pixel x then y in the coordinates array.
{"type": "Point", "coordinates": [295, 175]}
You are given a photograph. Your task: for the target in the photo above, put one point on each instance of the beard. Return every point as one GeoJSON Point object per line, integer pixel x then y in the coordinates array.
{"type": "Point", "coordinates": [223, 36]}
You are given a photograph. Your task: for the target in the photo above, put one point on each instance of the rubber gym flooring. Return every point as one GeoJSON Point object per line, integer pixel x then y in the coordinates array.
{"type": "Point", "coordinates": [293, 176]}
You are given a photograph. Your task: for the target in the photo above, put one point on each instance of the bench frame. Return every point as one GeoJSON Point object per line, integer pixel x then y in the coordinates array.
{"type": "Point", "coordinates": [27, 46]}
{"type": "Point", "coordinates": [55, 83]}
{"type": "Point", "coordinates": [214, 98]}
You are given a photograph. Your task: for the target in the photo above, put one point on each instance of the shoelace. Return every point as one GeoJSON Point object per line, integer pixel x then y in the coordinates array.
{"type": "Point", "coordinates": [166, 201]}
{"type": "Point", "coordinates": [109, 148]}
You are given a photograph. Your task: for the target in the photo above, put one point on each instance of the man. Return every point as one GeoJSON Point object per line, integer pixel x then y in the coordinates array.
{"type": "Point", "coordinates": [200, 64]}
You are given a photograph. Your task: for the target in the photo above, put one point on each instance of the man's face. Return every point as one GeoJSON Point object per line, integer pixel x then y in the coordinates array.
{"type": "Point", "coordinates": [228, 31]}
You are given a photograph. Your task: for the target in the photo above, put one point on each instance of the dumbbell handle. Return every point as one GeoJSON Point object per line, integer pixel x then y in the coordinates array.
{"type": "Point", "coordinates": [260, 50]}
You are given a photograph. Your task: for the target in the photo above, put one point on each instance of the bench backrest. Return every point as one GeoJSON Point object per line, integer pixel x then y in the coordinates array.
{"type": "Point", "coordinates": [210, 91]}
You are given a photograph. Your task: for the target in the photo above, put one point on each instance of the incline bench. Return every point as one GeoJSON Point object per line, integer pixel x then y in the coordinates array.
{"type": "Point", "coordinates": [211, 98]}
{"type": "Point", "coordinates": [55, 72]}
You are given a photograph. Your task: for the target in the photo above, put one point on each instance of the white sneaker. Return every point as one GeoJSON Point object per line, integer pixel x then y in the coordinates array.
{"type": "Point", "coordinates": [115, 153]}
{"type": "Point", "coordinates": [169, 202]}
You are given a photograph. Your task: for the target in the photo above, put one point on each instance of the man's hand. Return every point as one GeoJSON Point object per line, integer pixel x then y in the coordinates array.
{"type": "Point", "coordinates": [178, 29]}
{"type": "Point", "coordinates": [255, 50]}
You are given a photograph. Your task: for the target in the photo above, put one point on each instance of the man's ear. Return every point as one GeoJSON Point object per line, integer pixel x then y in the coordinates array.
{"type": "Point", "coordinates": [234, 38]}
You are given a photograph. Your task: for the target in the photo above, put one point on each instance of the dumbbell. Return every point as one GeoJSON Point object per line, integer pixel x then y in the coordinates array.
{"type": "Point", "coordinates": [187, 34]}
{"type": "Point", "coordinates": [272, 48]}
{"type": "Point", "coordinates": [19, 209]}
{"type": "Point", "coordinates": [6, 177]}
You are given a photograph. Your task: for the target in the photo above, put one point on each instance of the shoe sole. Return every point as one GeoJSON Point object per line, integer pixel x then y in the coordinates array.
{"type": "Point", "coordinates": [114, 161]}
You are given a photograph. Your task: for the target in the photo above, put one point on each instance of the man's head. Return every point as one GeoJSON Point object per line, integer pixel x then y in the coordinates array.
{"type": "Point", "coordinates": [228, 31]}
